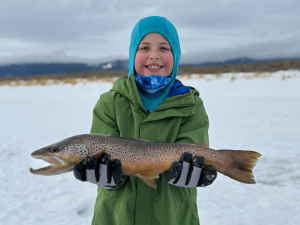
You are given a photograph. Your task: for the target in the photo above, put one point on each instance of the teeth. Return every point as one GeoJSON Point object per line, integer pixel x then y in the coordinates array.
{"type": "Point", "coordinates": [154, 67]}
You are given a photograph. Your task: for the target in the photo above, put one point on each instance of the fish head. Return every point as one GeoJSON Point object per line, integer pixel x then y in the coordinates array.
{"type": "Point", "coordinates": [62, 156]}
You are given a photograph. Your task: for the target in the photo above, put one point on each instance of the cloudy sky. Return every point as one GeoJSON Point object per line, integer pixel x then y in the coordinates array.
{"type": "Point", "coordinates": [95, 31]}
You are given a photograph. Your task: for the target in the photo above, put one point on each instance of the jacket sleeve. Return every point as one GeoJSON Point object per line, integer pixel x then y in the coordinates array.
{"type": "Point", "coordinates": [104, 116]}
{"type": "Point", "coordinates": [104, 119]}
{"type": "Point", "coordinates": [194, 128]}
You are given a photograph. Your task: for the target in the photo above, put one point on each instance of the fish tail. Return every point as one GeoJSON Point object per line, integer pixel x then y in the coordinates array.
{"type": "Point", "coordinates": [239, 165]}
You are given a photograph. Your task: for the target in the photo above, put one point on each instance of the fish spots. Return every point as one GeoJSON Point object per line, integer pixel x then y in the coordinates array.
{"type": "Point", "coordinates": [80, 149]}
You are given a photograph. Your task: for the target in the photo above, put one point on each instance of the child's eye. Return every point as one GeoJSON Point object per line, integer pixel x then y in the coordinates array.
{"type": "Point", "coordinates": [164, 48]}
{"type": "Point", "coordinates": [143, 48]}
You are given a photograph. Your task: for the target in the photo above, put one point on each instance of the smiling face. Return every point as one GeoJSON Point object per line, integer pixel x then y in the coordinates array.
{"type": "Point", "coordinates": [154, 56]}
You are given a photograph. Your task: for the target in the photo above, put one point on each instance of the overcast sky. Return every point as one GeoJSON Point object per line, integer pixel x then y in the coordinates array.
{"type": "Point", "coordinates": [95, 31]}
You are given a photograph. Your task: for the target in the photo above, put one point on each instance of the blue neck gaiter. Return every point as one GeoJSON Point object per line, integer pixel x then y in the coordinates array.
{"type": "Point", "coordinates": [151, 84]}
{"type": "Point", "coordinates": [164, 27]}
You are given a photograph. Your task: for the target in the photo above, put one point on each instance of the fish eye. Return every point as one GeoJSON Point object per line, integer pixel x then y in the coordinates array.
{"type": "Point", "coordinates": [54, 149]}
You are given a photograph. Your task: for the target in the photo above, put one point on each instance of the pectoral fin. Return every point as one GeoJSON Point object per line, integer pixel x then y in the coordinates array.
{"type": "Point", "coordinates": [148, 178]}
{"type": "Point", "coordinates": [98, 155]}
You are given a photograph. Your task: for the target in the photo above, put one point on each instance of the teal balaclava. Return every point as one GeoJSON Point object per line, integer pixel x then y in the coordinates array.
{"type": "Point", "coordinates": [164, 27]}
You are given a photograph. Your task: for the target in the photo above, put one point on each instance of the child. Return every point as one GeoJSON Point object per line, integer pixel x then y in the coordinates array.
{"type": "Point", "coordinates": [150, 104]}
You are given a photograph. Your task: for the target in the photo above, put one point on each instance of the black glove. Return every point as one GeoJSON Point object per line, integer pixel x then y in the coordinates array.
{"type": "Point", "coordinates": [190, 172]}
{"type": "Point", "coordinates": [103, 172]}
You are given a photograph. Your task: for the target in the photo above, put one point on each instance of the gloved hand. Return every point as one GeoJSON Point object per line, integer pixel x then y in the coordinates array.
{"type": "Point", "coordinates": [190, 172]}
{"type": "Point", "coordinates": [103, 171]}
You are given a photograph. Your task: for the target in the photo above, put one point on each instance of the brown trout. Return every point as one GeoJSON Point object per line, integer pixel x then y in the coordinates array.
{"type": "Point", "coordinates": [142, 158]}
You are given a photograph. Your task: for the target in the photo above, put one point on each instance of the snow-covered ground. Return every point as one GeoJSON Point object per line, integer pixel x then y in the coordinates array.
{"type": "Point", "coordinates": [254, 114]}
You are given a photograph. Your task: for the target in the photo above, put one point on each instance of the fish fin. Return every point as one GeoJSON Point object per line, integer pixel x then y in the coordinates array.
{"type": "Point", "coordinates": [142, 140]}
{"type": "Point", "coordinates": [202, 144]}
{"type": "Point", "coordinates": [148, 178]}
{"type": "Point", "coordinates": [134, 139]}
{"type": "Point", "coordinates": [97, 134]}
{"type": "Point", "coordinates": [98, 155]}
{"type": "Point", "coordinates": [239, 165]}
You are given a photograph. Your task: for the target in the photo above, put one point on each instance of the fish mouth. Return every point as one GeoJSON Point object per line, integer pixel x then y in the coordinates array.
{"type": "Point", "coordinates": [57, 166]}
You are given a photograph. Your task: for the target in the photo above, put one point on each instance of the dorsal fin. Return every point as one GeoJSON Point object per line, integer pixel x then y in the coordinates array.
{"type": "Point", "coordinates": [202, 144]}
{"type": "Point", "coordinates": [97, 134]}
{"type": "Point", "coordinates": [142, 140]}
{"type": "Point", "coordinates": [134, 139]}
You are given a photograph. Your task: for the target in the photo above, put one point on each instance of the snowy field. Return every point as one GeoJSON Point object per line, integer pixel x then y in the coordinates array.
{"type": "Point", "coordinates": [249, 114]}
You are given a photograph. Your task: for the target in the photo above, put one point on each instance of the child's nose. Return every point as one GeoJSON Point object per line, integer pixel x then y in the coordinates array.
{"type": "Point", "coordinates": [154, 55]}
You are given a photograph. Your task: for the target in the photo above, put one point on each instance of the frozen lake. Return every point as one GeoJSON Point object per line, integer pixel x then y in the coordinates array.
{"type": "Point", "coordinates": [260, 114]}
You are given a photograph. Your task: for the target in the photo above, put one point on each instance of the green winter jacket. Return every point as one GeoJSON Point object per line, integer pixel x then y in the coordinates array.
{"type": "Point", "coordinates": [180, 119]}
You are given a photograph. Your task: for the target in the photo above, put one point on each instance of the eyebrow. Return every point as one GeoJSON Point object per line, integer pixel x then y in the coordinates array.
{"type": "Point", "coordinates": [147, 43]}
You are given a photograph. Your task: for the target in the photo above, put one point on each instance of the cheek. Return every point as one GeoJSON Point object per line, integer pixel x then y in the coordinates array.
{"type": "Point", "coordinates": [169, 63]}
{"type": "Point", "coordinates": [139, 62]}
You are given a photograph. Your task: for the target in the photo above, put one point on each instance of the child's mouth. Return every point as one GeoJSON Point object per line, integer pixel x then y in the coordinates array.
{"type": "Point", "coordinates": [154, 68]}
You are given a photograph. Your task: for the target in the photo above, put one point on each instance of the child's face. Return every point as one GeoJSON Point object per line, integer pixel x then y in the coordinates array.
{"type": "Point", "coordinates": [154, 56]}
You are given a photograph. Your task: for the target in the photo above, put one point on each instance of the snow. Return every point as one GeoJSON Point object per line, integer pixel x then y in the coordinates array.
{"type": "Point", "coordinates": [260, 114]}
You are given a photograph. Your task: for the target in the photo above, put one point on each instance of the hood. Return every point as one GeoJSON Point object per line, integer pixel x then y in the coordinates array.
{"type": "Point", "coordinates": [164, 27]}
{"type": "Point", "coordinates": [159, 25]}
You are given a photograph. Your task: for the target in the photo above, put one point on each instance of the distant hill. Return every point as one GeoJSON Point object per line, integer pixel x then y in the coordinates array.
{"type": "Point", "coordinates": [59, 68]}
{"type": "Point", "coordinates": [241, 60]}
{"type": "Point", "coordinates": [55, 68]}
{"type": "Point", "coordinates": [237, 61]}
